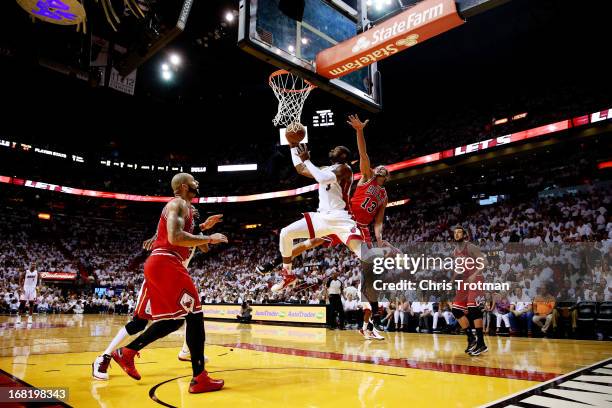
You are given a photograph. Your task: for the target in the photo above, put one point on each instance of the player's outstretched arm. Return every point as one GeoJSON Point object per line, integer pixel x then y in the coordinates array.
{"type": "Point", "coordinates": [175, 223]}
{"type": "Point", "coordinates": [211, 221]}
{"type": "Point", "coordinates": [364, 159]}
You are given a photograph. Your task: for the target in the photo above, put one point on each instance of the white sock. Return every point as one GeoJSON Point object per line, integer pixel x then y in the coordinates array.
{"type": "Point", "coordinates": [185, 349]}
{"type": "Point", "coordinates": [119, 337]}
{"type": "Point", "coordinates": [365, 326]}
{"type": "Point", "coordinates": [288, 267]}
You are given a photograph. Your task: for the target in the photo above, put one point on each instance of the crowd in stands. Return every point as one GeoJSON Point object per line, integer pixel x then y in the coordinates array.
{"type": "Point", "coordinates": [111, 253]}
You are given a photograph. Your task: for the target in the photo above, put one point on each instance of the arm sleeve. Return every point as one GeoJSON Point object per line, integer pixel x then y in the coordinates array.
{"type": "Point", "coordinates": [322, 176]}
{"type": "Point", "coordinates": [294, 157]}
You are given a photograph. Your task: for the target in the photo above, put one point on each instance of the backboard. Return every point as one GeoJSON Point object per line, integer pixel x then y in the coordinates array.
{"type": "Point", "coordinates": [267, 33]}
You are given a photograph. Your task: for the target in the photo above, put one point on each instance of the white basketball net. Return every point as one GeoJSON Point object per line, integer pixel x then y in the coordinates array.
{"type": "Point", "coordinates": [291, 92]}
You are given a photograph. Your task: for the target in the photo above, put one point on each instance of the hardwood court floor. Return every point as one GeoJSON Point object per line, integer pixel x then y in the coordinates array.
{"type": "Point", "coordinates": [280, 366]}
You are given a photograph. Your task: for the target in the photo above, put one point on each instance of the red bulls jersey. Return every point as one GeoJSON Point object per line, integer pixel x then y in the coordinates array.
{"type": "Point", "coordinates": [161, 243]}
{"type": "Point", "coordinates": [367, 199]}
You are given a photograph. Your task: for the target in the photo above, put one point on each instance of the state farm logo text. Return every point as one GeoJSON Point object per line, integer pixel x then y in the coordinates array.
{"type": "Point", "coordinates": [386, 33]}
{"type": "Point", "coordinates": [413, 20]}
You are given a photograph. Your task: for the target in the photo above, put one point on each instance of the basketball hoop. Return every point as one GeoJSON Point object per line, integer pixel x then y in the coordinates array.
{"type": "Point", "coordinates": [291, 92]}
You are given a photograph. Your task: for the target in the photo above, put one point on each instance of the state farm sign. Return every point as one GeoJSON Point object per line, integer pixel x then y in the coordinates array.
{"type": "Point", "coordinates": [417, 24]}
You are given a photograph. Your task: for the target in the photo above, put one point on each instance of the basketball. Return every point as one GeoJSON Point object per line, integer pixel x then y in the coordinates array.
{"type": "Point", "coordinates": [295, 133]}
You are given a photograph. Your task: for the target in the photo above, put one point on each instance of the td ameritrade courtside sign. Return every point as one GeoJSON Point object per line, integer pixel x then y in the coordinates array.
{"type": "Point", "coordinates": [417, 24]}
{"type": "Point", "coordinates": [63, 12]}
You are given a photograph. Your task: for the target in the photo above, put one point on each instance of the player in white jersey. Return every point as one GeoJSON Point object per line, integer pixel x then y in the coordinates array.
{"type": "Point", "coordinates": [332, 216]}
{"type": "Point", "coordinates": [100, 365]}
{"type": "Point", "coordinates": [29, 282]}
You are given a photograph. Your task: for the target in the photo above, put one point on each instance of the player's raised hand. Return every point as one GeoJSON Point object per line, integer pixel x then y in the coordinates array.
{"type": "Point", "coordinates": [303, 153]}
{"type": "Point", "coordinates": [356, 123]}
{"type": "Point", "coordinates": [211, 221]}
{"type": "Point", "coordinates": [148, 244]}
{"type": "Point", "coordinates": [218, 239]}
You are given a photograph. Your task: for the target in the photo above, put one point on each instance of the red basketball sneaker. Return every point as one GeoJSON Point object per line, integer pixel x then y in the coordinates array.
{"type": "Point", "coordinates": [203, 383]}
{"type": "Point", "coordinates": [289, 280]}
{"type": "Point", "coordinates": [125, 358]}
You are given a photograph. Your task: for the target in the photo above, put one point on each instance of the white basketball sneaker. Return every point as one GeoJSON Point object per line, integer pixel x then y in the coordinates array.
{"type": "Point", "coordinates": [376, 335]}
{"type": "Point", "coordinates": [366, 334]}
{"type": "Point", "coordinates": [99, 368]}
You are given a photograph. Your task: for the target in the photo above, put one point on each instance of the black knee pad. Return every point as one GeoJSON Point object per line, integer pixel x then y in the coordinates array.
{"type": "Point", "coordinates": [136, 325]}
{"type": "Point", "coordinates": [474, 313]}
{"type": "Point", "coordinates": [458, 313]}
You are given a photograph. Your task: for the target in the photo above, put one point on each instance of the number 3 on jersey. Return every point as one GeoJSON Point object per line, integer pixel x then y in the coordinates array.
{"type": "Point", "coordinates": [369, 205]}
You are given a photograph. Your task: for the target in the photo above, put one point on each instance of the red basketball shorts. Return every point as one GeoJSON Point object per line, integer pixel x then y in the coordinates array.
{"type": "Point", "coordinates": [168, 292]}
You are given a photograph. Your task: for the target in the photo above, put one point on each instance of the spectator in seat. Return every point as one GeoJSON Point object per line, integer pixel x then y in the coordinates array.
{"type": "Point", "coordinates": [43, 307]}
{"type": "Point", "coordinates": [78, 308]}
{"type": "Point", "coordinates": [352, 311]}
{"type": "Point", "coordinates": [445, 313]}
{"type": "Point", "coordinates": [13, 304]}
{"type": "Point", "coordinates": [543, 309]}
{"type": "Point", "coordinates": [520, 311]}
{"type": "Point", "coordinates": [402, 306]}
{"type": "Point", "coordinates": [245, 313]}
{"type": "Point", "coordinates": [502, 312]}
{"type": "Point", "coordinates": [423, 310]}
{"type": "Point", "coordinates": [386, 321]}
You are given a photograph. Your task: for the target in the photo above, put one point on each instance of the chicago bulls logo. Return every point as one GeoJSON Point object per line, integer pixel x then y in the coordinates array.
{"type": "Point", "coordinates": [187, 301]}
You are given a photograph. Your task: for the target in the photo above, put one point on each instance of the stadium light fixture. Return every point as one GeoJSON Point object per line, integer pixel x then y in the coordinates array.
{"type": "Point", "coordinates": [175, 59]}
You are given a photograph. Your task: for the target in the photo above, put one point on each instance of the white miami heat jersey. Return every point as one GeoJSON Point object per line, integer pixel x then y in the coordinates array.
{"type": "Point", "coordinates": [333, 196]}
{"type": "Point", "coordinates": [31, 277]}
